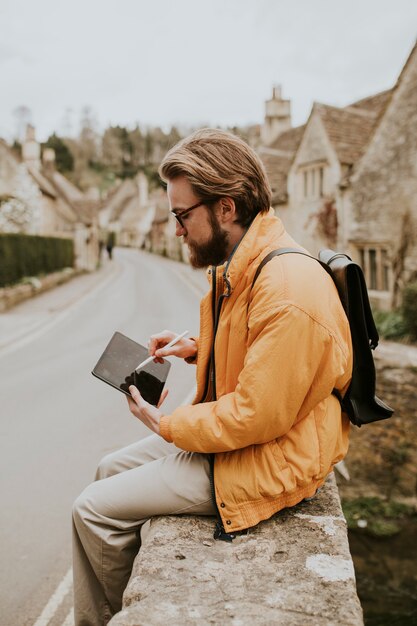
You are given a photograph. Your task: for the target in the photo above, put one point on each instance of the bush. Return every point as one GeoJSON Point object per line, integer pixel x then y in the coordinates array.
{"type": "Point", "coordinates": [381, 518]}
{"type": "Point", "coordinates": [390, 324]}
{"type": "Point", "coordinates": [31, 255]}
{"type": "Point", "coordinates": [410, 309]}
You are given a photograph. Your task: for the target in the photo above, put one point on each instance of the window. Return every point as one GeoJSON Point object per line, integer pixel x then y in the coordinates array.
{"type": "Point", "coordinates": [362, 261]}
{"type": "Point", "coordinates": [372, 269]}
{"type": "Point", "coordinates": [374, 260]}
{"type": "Point", "coordinates": [385, 269]}
{"type": "Point", "coordinates": [312, 182]}
{"type": "Point", "coordinates": [321, 181]}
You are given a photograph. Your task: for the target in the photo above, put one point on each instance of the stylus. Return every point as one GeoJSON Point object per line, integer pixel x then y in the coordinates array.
{"type": "Point", "coordinates": [169, 345]}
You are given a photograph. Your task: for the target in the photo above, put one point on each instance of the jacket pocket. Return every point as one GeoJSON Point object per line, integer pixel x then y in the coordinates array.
{"type": "Point", "coordinates": [283, 475]}
{"type": "Point", "coordinates": [278, 454]}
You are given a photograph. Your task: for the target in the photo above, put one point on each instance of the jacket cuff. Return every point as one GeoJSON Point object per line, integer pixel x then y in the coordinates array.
{"type": "Point", "coordinates": [165, 429]}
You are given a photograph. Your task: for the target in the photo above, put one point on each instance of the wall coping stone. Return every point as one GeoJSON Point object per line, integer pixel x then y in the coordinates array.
{"type": "Point", "coordinates": [294, 569]}
{"type": "Point", "coordinates": [33, 286]}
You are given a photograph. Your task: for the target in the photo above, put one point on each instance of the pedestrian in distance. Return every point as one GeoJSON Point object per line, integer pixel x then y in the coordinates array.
{"type": "Point", "coordinates": [264, 430]}
{"type": "Point", "coordinates": [110, 244]}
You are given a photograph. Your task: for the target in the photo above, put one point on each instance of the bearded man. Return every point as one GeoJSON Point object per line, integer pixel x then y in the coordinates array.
{"type": "Point", "coordinates": [265, 429]}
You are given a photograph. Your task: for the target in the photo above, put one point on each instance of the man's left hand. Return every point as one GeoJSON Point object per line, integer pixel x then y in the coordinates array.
{"type": "Point", "coordinates": [147, 413]}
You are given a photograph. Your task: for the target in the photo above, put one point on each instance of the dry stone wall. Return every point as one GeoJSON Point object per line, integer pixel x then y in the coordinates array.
{"type": "Point", "coordinates": [294, 569]}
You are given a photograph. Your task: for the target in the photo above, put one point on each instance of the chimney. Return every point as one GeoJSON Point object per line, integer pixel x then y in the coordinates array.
{"type": "Point", "coordinates": [31, 150]}
{"type": "Point", "coordinates": [277, 117]}
{"type": "Point", "coordinates": [48, 159]}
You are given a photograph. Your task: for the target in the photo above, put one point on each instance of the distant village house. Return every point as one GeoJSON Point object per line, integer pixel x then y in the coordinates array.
{"type": "Point", "coordinates": [43, 202]}
{"type": "Point", "coordinates": [347, 179]}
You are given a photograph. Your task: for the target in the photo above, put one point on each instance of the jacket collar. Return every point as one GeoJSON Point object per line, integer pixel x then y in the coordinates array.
{"type": "Point", "coordinates": [264, 229]}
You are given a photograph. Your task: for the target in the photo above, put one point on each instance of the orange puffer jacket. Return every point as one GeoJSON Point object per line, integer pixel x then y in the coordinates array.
{"type": "Point", "coordinates": [280, 349]}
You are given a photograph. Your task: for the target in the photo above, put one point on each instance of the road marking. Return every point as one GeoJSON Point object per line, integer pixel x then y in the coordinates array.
{"type": "Point", "coordinates": [64, 586]}
{"type": "Point", "coordinates": [55, 600]}
{"type": "Point", "coordinates": [69, 620]}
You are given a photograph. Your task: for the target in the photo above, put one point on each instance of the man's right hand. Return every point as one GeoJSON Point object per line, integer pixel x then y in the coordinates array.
{"type": "Point", "coordinates": [185, 348]}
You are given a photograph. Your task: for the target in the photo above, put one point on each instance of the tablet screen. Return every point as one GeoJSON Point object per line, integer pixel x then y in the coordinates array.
{"type": "Point", "coordinates": [117, 365]}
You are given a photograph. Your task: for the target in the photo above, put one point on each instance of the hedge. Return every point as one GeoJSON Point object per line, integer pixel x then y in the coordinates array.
{"type": "Point", "coordinates": [32, 255]}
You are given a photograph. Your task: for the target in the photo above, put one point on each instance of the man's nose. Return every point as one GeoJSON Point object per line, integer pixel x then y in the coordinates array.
{"type": "Point", "coordinates": [179, 230]}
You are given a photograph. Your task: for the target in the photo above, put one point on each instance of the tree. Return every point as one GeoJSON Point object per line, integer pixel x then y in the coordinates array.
{"type": "Point", "coordinates": [63, 157]}
{"type": "Point", "coordinates": [88, 138]}
{"type": "Point", "coordinates": [137, 142]}
{"type": "Point", "coordinates": [117, 151]}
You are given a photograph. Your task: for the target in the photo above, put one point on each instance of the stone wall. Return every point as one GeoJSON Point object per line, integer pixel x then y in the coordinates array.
{"type": "Point", "coordinates": [300, 218]}
{"type": "Point", "coordinates": [382, 457]}
{"type": "Point", "coordinates": [382, 201]}
{"type": "Point", "coordinates": [11, 296]}
{"type": "Point", "coordinates": [294, 569]}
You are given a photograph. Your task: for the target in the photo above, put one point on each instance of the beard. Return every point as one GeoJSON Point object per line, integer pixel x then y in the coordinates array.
{"type": "Point", "coordinates": [214, 251]}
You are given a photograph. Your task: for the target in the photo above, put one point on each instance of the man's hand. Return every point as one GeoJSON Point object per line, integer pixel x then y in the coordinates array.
{"type": "Point", "coordinates": [185, 348]}
{"type": "Point", "coordinates": [147, 413]}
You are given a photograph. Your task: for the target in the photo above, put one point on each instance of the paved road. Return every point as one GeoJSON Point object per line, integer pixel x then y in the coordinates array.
{"type": "Point", "coordinates": [57, 421]}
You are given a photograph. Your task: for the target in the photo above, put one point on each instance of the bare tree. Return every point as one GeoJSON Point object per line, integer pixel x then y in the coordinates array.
{"type": "Point", "coordinates": [23, 116]}
{"type": "Point", "coordinates": [88, 137]}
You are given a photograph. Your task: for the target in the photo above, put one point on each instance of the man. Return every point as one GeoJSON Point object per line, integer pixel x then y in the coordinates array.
{"type": "Point", "coordinates": [264, 430]}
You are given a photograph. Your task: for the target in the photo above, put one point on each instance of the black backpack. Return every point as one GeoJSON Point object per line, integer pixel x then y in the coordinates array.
{"type": "Point", "coordinates": [359, 402]}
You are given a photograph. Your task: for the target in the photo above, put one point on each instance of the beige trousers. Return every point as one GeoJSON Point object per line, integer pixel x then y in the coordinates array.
{"type": "Point", "coordinates": [148, 478]}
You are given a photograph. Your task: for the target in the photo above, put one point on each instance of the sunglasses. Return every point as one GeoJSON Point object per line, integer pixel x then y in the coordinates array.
{"type": "Point", "coordinates": [180, 216]}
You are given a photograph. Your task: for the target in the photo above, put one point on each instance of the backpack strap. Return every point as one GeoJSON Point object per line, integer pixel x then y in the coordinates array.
{"type": "Point", "coordinates": [286, 251]}
{"type": "Point", "coordinates": [335, 264]}
{"type": "Point", "coordinates": [360, 402]}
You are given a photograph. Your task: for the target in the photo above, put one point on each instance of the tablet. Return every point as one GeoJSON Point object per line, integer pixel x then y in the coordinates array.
{"type": "Point", "coordinates": [117, 365]}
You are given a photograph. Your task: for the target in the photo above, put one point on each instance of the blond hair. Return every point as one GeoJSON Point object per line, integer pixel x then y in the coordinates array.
{"type": "Point", "coordinates": [218, 164]}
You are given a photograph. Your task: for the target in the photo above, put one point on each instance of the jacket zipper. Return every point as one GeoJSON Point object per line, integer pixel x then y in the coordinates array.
{"type": "Point", "coordinates": [219, 532]}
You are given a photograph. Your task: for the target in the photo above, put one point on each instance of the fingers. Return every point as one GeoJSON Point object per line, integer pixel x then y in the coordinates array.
{"type": "Point", "coordinates": [136, 399]}
{"type": "Point", "coordinates": [160, 340]}
{"type": "Point", "coordinates": [159, 354]}
{"type": "Point", "coordinates": [162, 398]}
{"type": "Point", "coordinates": [145, 412]}
{"type": "Point", "coordinates": [182, 349]}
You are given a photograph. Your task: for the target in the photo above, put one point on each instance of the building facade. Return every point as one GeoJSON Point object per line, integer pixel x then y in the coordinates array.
{"type": "Point", "coordinates": [347, 180]}
{"type": "Point", "coordinates": [37, 199]}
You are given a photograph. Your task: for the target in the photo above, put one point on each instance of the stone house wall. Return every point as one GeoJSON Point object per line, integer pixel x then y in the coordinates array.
{"type": "Point", "coordinates": [307, 193]}
{"type": "Point", "coordinates": [382, 199]}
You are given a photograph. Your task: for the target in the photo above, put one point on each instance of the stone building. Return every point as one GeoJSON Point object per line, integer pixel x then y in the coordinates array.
{"type": "Point", "coordinates": [330, 180]}
{"type": "Point", "coordinates": [161, 237]}
{"type": "Point", "coordinates": [43, 202]}
{"type": "Point", "coordinates": [381, 205]}
{"type": "Point", "coordinates": [127, 211]}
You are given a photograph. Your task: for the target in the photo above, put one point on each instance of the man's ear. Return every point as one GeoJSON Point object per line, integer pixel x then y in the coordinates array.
{"type": "Point", "coordinates": [227, 210]}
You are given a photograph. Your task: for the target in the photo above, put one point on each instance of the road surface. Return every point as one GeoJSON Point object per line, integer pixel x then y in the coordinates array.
{"type": "Point", "coordinates": [57, 421]}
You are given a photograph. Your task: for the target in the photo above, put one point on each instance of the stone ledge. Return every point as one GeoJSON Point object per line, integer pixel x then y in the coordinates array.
{"type": "Point", "coordinates": [294, 569]}
{"type": "Point", "coordinates": [11, 296]}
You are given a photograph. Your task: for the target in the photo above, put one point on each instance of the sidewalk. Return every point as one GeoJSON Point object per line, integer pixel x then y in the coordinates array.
{"type": "Point", "coordinates": [31, 316]}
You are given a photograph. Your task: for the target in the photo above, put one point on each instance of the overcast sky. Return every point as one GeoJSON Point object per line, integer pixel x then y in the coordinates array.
{"type": "Point", "coordinates": [193, 62]}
